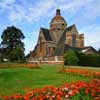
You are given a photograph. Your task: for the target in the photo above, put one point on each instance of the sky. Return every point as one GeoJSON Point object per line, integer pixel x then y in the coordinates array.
{"type": "Point", "coordinates": [31, 15]}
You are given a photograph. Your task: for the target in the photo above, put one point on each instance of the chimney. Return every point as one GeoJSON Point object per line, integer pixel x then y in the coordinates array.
{"type": "Point", "coordinates": [58, 12]}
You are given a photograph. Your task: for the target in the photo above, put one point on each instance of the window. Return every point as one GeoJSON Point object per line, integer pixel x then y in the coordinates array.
{"type": "Point", "coordinates": [63, 24]}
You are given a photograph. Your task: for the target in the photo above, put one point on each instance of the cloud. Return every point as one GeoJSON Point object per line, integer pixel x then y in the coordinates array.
{"type": "Point", "coordinates": [92, 34]}
{"type": "Point", "coordinates": [84, 11]}
{"type": "Point", "coordinates": [31, 13]}
{"type": "Point", "coordinates": [73, 5]}
{"type": "Point", "coordinates": [44, 8]}
{"type": "Point", "coordinates": [6, 4]}
{"type": "Point", "coordinates": [40, 10]}
{"type": "Point", "coordinates": [80, 12]}
{"type": "Point", "coordinates": [17, 14]}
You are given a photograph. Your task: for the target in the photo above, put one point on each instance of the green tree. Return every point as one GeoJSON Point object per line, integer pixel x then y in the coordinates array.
{"type": "Point", "coordinates": [12, 41]}
{"type": "Point", "coordinates": [99, 50]}
{"type": "Point", "coordinates": [70, 58]}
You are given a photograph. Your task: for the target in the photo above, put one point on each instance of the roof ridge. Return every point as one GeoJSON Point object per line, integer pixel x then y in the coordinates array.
{"type": "Point", "coordinates": [46, 34]}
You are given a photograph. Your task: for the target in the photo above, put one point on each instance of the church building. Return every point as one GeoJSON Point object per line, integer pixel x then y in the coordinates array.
{"type": "Point", "coordinates": [53, 42]}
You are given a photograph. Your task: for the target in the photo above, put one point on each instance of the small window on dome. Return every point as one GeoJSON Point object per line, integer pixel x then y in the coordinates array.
{"type": "Point", "coordinates": [63, 24]}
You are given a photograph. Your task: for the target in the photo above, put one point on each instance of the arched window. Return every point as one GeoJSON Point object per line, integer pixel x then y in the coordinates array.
{"type": "Point", "coordinates": [63, 24]}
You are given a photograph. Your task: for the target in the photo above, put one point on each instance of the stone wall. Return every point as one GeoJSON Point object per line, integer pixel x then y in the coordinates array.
{"type": "Point", "coordinates": [79, 40]}
{"type": "Point", "coordinates": [48, 60]}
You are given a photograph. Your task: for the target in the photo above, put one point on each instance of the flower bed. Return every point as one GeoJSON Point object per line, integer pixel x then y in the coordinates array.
{"type": "Point", "coordinates": [18, 65]}
{"type": "Point", "coordinates": [83, 72]}
{"type": "Point", "coordinates": [79, 90]}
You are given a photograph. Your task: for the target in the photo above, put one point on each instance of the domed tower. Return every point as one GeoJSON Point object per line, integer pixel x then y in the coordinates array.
{"type": "Point", "coordinates": [57, 25]}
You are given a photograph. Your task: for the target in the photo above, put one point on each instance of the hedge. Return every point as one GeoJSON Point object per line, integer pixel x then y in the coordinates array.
{"type": "Point", "coordinates": [88, 59]}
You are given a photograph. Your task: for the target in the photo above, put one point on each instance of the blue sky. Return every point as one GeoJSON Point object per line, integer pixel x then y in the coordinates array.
{"type": "Point", "coordinates": [30, 15]}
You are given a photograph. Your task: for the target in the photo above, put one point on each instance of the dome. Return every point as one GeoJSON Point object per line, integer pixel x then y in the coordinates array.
{"type": "Point", "coordinates": [58, 21]}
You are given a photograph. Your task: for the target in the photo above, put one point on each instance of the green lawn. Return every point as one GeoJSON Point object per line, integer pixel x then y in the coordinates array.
{"type": "Point", "coordinates": [14, 80]}
{"type": "Point", "coordinates": [84, 67]}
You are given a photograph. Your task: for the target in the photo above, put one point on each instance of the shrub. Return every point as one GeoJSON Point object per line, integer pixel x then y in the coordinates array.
{"type": "Point", "coordinates": [88, 59]}
{"type": "Point", "coordinates": [70, 58]}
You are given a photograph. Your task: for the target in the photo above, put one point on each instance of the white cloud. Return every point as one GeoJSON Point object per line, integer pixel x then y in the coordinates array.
{"type": "Point", "coordinates": [42, 9]}
{"type": "Point", "coordinates": [31, 13]}
{"type": "Point", "coordinates": [45, 8]}
{"type": "Point", "coordinates": [92, 36]}
{"type": "Point", "coordinates": [4, 4]}
{"type": "Point", "coordinates": [85, 11]}
{"type": "Point", "coordinates": [16, 14]}
{"type": "Point", "coordinates": [74, 5]}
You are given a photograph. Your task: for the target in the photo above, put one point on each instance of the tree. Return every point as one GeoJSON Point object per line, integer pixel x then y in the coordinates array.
{"type": "Point", "coordinates": [12, 41]}
{"type": "Point", "coordinates": [99, 50]}
{"type": "Point", "coordinates": [70, 58]}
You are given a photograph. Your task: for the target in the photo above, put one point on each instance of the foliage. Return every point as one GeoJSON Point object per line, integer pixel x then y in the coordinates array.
{"type": "Point", "coordinates": [12, 43]}
{"type": "Point", "coordinates": [17, 54]}
{"type": "Point", "coordinates": [1, 57]}
{"type": "Point", "coordinates": [88, 59]}
{"type": "Point", "coordinates": [99, 50]}
{"type": "Point", "coordinates": [70, 58]}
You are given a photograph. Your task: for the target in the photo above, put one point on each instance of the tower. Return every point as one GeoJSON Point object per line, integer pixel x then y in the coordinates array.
{"type": "Point", "coordinates": [81, 40]}
{"type": "Point", "coordinates": [57, 25]}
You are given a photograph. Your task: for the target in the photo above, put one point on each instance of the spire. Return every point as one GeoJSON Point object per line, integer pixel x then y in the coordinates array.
{"type": "Point", "coordinates": [58, 12]}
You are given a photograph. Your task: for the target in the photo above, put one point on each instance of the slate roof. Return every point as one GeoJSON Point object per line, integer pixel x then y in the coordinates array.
{"type": "Point", "coordinates": [60, 44]}
{"type": "Point", "coordinates": [70, 28]}
{"type": "Point", "coordinates": [90, 47]}
{"type": "Point", "coordinates": [46, 34]}
{"type": "Point", "coordinates": [66, 47]}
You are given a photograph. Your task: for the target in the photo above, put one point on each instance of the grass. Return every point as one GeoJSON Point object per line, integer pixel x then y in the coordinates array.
{"type": "Point", "coordinates": [15, 80]}
{"type": "Point", "coordinates": [84, 67]}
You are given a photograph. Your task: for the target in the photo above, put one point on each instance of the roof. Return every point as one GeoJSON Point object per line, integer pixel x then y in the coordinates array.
{"type": "Point", "coordinates": [73, 29]}
{"type": "Point", "coordinates": [80, 49]}
{"type": "Point", "coordinates": [89, 48]}
{"type": "Point", "coordinates": [46, 34]}
{"type": "Point", "coordinates": [60, 44]}
{"type": "Point", "coordinates": [58, 17]}
{"type": "Point", "coordinates": [67, 47]}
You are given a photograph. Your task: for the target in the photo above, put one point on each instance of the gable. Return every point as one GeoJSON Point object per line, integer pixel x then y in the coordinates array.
{"type": "Point", "coordinates": [41, 37]}
{"type": "Point", "coordinates": [72, 29]}
{"type": "Point", "coordinates": [89, 50]}
{"type": "Point", "coordinates": [46, 34]}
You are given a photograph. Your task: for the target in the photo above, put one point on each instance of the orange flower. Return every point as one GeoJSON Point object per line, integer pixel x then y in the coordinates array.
{"type": "Point", "coordinates": [66, 91]}
{"type": "Point", "coordinates": [86, 91]}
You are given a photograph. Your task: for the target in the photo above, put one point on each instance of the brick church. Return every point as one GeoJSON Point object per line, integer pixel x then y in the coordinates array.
{"type": "Point", "coordinates": [53, 42]}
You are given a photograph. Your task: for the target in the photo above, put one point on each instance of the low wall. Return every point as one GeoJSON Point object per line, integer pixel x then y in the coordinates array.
{"type": "Point", "coordinates": [47, 62]}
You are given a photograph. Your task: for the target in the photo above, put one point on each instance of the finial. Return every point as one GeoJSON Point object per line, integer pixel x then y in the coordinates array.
{"type": "Point", "coordinates": [58, 12]}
